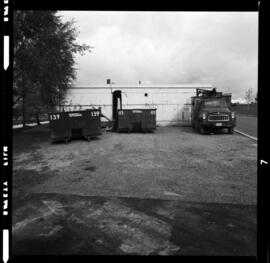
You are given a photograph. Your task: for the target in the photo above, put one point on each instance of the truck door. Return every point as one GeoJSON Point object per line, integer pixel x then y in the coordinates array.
{"type": "Point", "coordinates": [197, 105]}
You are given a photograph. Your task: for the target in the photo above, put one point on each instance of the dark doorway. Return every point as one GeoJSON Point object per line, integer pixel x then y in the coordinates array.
{"type": "Point", "coordinates": [117, 105]}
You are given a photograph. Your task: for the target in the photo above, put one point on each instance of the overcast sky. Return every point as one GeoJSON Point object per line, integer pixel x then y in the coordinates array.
{"type": "Point", "coordinates": [218, 48]}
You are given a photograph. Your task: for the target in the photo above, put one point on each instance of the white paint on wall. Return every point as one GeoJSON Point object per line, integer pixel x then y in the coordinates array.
{"type": "Point", "coordinates": [172, 102]}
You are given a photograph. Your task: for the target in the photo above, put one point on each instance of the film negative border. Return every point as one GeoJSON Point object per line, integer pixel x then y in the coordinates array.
{"type": "Point", "coordinates": [6, 130]}
{"type": "Point", "coordinates": [7, 71]}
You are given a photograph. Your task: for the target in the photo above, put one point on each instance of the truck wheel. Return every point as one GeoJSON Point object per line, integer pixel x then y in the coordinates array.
{"type": "Point", "coordinates": [230, 130]}
{"type": "Point", "coordinates": [66, 140]}
{"type": "Point", "coordinates": [201, 130]}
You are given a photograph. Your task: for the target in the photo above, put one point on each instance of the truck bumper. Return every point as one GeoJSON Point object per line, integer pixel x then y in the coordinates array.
{"type": "Point", "coordinates": [218, 125]}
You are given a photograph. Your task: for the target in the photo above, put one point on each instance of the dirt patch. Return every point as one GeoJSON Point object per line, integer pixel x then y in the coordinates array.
{"type": "Point", "coordinates": [27, 177]}
{"type": "Point", "coordinates": [27, 141]}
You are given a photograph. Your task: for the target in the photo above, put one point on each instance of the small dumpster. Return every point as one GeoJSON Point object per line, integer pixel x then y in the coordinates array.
{"type": "Point", "coordinates": [136, 119]}
{"type": "Point", "coordinates": [74, 124]}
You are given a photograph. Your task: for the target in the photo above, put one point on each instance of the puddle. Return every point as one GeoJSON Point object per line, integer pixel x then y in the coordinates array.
{"type": "Point", "coordinates": [90, 168]}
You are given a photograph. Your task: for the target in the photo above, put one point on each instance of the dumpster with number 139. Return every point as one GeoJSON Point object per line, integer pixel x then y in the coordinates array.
{"type": "Point", "coordinates": [74, 124]}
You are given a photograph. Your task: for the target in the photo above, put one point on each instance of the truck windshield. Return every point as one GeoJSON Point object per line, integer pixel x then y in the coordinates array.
{"type": "Point", "coordinates": [214, 103]}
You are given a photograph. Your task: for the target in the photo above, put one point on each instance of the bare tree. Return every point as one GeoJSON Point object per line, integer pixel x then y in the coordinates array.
{"type": "Point", "coordinates": [249, 97]}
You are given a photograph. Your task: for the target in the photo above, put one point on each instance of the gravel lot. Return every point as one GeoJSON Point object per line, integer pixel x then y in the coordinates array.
{"type": "Point", "coordinates": [143, 193]}
{"type": "Point", "coordinates": [172, 163]}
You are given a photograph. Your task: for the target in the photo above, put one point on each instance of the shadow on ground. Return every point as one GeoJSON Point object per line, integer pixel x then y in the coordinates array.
{"type": "Point", "coordinates": [60, 224]}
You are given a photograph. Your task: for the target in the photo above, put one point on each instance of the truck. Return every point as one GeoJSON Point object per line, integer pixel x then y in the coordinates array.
{"type": "Point", "coordinates": [211, 111]}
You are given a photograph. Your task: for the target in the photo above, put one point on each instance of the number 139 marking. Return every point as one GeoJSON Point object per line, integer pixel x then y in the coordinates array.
{"type": "Point", "coordinates": [55, 117]}
{"type": "Point", "coordinates": [94, 113]}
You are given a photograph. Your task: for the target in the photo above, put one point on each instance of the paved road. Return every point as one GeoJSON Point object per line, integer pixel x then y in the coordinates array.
{"type": "Point", "coordinates": [68, 224]}
{"type": "Point", "coordinates": [247, 124]}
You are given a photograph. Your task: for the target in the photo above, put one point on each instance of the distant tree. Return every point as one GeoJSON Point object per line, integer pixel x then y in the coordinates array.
{"type": "Point", "coordinates": [35, 106]}
{"type": "Point", "coordinates": [16, 113]}
{"type": "Point", "coordinates": [256, 98]}
{"type": "Point", "coordinates": [44, 49]}
{"type": "Point", "coordinates": [249, 97]}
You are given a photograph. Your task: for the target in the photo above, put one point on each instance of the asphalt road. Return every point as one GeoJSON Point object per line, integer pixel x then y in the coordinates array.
{"type": "Point", "coordinates": [172, 192]}
{"type": "Point", "coordinates": [46, 224]}
{"type": "Point", "coordinates": [247, 124]}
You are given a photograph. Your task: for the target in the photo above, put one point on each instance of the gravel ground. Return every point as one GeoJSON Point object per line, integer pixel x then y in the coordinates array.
{"type": "Point", "coordinates": [172, 163]}
{"type": "Point", "coordinates": [172, 192]}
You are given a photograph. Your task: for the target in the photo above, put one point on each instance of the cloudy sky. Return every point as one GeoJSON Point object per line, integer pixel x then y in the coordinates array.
{"type": "Point", "coordinates": [218, 48]}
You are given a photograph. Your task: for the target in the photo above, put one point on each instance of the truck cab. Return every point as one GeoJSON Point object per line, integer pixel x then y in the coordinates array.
{"type": "Point", "coordinates": [211, 111]}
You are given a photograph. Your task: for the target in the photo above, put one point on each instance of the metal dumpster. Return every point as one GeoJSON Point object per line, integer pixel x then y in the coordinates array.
{"type": "Point", "coordinates": [59, 126]}
{"type": "Point", "coordinates": [136, 119]}
{"type": "Point", "coordinates": [74, 124]}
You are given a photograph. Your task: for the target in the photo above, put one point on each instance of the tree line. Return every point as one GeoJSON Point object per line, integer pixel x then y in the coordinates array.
{"type": "Point", "coordinates": [44, 65]}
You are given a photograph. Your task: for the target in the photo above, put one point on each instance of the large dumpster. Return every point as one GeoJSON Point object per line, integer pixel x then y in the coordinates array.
{"type": "Point", "coordinates": [59, 126]}
{"type": "Point", "coordinates": [74, 124]}
{"type": "Point", "coordinates": [136, 119]}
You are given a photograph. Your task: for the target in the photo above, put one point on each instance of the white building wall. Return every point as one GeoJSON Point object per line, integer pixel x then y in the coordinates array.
{"type": "Point", "coordinates": [173, 102]}
{"type": "Point", "coordinates": [88, 98]}
{"type": "Point", "coordinates": [173, 105]}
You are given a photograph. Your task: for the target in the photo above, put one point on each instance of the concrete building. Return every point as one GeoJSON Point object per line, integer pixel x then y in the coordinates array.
{"type": "Point", "coordinates": [171, 101]}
